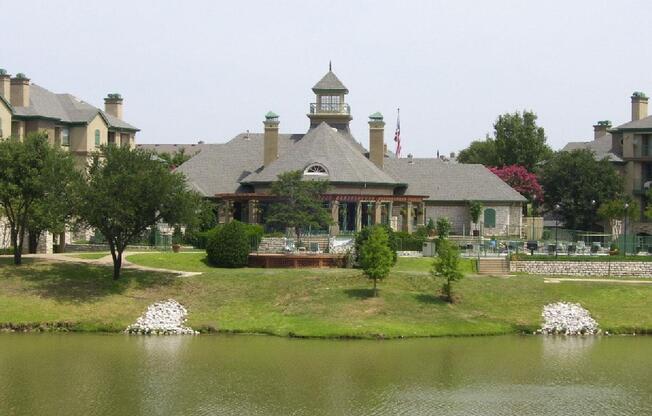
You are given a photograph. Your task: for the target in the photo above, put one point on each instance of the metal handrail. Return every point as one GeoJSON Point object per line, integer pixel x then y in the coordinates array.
{"type": "Point", "coordinates": [330, 108]}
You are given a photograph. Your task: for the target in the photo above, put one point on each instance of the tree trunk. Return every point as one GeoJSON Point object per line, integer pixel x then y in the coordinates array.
{"type": "Point", "coordinates": [117, 265]}
{"type": "Point", "coordinates": [375, 289]}
{"type": "Point", "coordinates": [18, 259]}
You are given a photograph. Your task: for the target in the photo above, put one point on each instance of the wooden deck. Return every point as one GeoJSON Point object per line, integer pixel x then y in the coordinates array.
{"type": "Point", "coordinates": [278, 261]}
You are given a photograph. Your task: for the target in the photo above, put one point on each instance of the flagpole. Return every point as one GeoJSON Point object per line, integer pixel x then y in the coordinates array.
{"type": "Point", "coordinates": [397, 134]}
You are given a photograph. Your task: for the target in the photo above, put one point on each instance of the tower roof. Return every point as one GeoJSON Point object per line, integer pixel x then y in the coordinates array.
{"type": "Point", "coordinates": [330, 82]}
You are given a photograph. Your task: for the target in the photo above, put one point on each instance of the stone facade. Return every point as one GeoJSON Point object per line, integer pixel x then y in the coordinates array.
{"type": "Point", "coordinates": [583, 268]}
{"type": "Point", "coordinates": [508, 218]}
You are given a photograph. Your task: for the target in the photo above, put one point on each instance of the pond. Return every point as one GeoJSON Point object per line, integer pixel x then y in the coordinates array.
{"type": "Point", "coordinates": [75, 374]}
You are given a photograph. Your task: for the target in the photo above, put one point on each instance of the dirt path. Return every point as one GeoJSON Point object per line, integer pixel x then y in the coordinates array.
{"type": "Point", "coordinates": [108, 261]}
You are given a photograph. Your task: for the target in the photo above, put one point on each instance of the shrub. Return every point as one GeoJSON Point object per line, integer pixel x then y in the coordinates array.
{"type": "Point", "coordinates": [443, 227]}
{"type": "Point", "coordinates": [410, 242]}
{"type": "Point", "coordinates": [447, 266]}
{"type": "Point", "coordinates": [229, 246]}
{"type": "Point", "coordinates": [254, 234]}
{"type": "Point", "coordinates": [375, 255]}
{"type": "Point", "coordinates": [363, 236]}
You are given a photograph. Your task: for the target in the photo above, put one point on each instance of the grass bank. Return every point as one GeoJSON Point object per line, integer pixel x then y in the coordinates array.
{"type": "Point", "coordinates": [304, 302]}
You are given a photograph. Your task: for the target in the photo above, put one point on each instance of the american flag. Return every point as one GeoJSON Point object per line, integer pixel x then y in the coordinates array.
{"type": "Point", "coordinates": [397, 135]}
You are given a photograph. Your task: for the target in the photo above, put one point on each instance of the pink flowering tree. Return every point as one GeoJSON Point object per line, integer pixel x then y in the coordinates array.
{"type": "Point", "coordinates": [522, 181]}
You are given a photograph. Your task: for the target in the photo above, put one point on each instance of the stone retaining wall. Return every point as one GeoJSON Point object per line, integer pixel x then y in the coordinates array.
{"type": "Point", "coordinates": [583, 268]}
{"type": "Point", "coordinates": [80, 248]}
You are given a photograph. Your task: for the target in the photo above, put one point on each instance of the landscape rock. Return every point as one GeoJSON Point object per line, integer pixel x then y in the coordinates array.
{"type": "Point", "coordinates": [162, 318]}
{"type": "Point", "coordinates": [567, 319]}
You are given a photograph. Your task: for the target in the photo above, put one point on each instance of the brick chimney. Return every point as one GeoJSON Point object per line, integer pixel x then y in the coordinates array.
{"type": "Point", "coordinates": [19, 93]}
{"type": "Point", "coordinates": [5, 85]}
{"type": "Point", "coordinates": [377, 139]}
{"type": "Point", "coordinates": [600, 128]}
{"type": "Point", "coordinates": [113, 105]}
{"type": "Point", "coordinates": [270, 140]}
{"type": "Point", "coordinates": [639, 105]}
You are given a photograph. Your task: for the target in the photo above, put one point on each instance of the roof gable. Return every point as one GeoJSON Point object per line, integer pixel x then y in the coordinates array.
{"type": "Point", "coordinates": [642, 124]}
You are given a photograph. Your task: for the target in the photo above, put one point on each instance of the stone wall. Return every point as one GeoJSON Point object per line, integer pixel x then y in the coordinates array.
{"type": "Point", "coordinates": [583, 268]}
{"type": "Point", "coordinates": [508, 218]}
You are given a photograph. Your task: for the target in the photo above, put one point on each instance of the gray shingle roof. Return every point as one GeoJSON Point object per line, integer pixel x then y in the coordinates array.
{"type": "Point", "coordinates": [327, 146]}
{"type": "Point", "coordinates": [644, 123]}
{"type": "Point", "coordinates": [64, 107]}
{"type": "Point", "coordinates": [219, 168]}
{"type": "Point", "coordinates": [446, 181]}
{"type": "Point", "coordinates": [330, 82]}
{"type": "Point", "coordinates": [190, 148]}
{"type": "Point", "coordinates": [601, 148]}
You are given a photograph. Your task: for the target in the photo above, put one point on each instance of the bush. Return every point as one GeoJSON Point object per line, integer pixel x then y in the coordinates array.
{"type": "Point", "coordinates": [410, 242]}
{"type": "Point", "coordinates": [254, 234]}
{"type": "Point", "coordinates": [229, 246]}
{"type": "Point", "coordinates": [362, 236]}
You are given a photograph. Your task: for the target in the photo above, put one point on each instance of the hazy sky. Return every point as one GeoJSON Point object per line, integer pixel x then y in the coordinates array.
{"type": "Point", "coordinates": [208, 70]}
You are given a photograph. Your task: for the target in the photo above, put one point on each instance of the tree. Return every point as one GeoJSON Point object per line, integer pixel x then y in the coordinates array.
{"type": "Point", "coordinates": [614, 211]}
{"type": "Point", "coordinates": [128, 191]}
{"type": "Point", "coordinates": [376, 255]}
{"type": "Point", "coordinates": [175, 159]}
{"type": "Point", "coordinates": [447, 265]}
{"type": "Point", "coordinates": [443, 228]}
{"type": "Point", "coordinates": [579, 184]}
{"type": "Point", "coordinates": [519, 141]}
{"type": "Point", "coordinates": [36, 184]}
{"type": "Point", "coordinates": [362, 236]}
{"type": "Point", "coordinates": [475, 210]}
{"type": "Point", "coordinates": [299, 204]}
{"type": "Point", "coordinates": [480, 151]}
{"type": "Point", "coordinates": [523, 182]}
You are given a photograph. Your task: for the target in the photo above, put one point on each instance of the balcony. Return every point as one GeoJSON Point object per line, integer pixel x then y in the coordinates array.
{"type": "Point", "coordinates": [330, 108]}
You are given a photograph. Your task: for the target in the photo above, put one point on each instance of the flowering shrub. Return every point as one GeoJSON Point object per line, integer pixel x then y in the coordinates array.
{"type": "Point", "coordinates": [521, 180]}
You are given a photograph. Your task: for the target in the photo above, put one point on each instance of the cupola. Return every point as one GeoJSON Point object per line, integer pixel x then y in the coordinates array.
{"type": "Point", "coordinates": [330, 106]}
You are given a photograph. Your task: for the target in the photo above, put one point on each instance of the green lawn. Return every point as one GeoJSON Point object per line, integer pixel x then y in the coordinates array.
{"type": "Point", "coordinates": [89, 256]}
{"type": "Point", "coordinates": [303, 302]}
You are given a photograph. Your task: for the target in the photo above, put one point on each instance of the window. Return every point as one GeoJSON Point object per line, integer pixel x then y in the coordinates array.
{"type": "Point", "coordinates": [97, 137]}
{"type": "Point", "coordinates": [65, 136]}
{"type": "Point", "coordinates": [316, 169]}
{"type": "Point", "coordinates": [490, 218]}
{"type": "Point", "coordinates": [330, 103]}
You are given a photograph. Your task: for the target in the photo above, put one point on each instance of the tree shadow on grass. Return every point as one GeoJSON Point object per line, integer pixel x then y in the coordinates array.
{"type": "Point", "coordinates": [360, 293]}
{"type": "Point", "coordinates": [82, 283]}
{"type": "Point", "coordinates": [431, 299]}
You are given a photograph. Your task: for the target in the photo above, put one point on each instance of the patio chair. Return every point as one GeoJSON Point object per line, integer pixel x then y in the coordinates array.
{"type": "Point", "coordinates": [595, 247]}
{"type": "Point", "coordinates": [580, 247]}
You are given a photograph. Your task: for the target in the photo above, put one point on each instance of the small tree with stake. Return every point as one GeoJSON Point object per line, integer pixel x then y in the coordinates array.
{"type": "Point", "coordinates": [376, 255]}
{"type": "Point", "coordinates": [447, 266]}
{"type": "Point", "coordinates": [126, 192]}
{"type": "Point", "coordinates": [475, 210]}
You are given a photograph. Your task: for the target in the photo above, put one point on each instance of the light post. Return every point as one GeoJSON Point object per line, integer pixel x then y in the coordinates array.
{"type": "Point", "coordinates": [625, 230]}
{"type": "Point", "coordinates": [556, 228]}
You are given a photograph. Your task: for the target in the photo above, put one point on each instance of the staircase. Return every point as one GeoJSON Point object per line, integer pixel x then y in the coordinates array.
{"type": "Point", "coordinates": [493, 266]}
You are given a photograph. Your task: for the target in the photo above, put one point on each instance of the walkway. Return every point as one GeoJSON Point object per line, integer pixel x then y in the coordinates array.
{"type": "Point", "coordinates": [107, 261]}
{"type": "Point", "coordinates": [571, 279]}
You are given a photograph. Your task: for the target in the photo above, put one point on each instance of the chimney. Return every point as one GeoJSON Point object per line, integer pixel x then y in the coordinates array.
{"type": "Point", "coordinates": [409, 158]}
{"type": "Point", "coordinates": [639, 105]}
{"type": "Point", "coordinates": [113, 105]}
{"type": "Point", "coordinates": [600, 128]}
{"type": "Point", "coordinates": [377, 139]}
{"type": "Point", "coordinates": [19, 94]}
{"type": "Point", "coordinates": [5, 85]}
{"type": "Point", "coordinates": [270, 145]}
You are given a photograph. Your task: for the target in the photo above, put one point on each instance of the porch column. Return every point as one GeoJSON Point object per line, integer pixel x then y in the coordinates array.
{"type": "Point", "coordinates": [252, 217]}
{"type": "Point", "coordinates": [335, 215]}
{"type": "Point", "coordinates": [421, 220]}
{"type": "Point", "coordinates": [227, 212]}
{"type": "Point", "coordinates": [390, 214]}
{"type": "Point", "coordinates": [358, 216]}
{"type": "Point", "coordinates": [408, 217]}
{"type": "Point", "coordinates": [378, 212]}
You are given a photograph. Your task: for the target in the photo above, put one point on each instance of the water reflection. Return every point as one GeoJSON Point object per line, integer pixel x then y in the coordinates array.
{"type": "Point", "coordinates": [567, 350]}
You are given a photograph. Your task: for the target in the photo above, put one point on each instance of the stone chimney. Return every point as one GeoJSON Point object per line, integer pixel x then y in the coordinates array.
{"type": "Point", "coordinates": [113, 105]}
{"type": "Point", "coordinates": [19, 94]}
{"type": "Point", "coordinates": [377, 139]}
{"type": "Point", "coordinates": [639, 105]}
{"type": "Point", "coordinates": [600, 128]}
{"type": "Point", "coordinates": [5, 85]}
{"type": "Point", "coordinates": [270, 145]}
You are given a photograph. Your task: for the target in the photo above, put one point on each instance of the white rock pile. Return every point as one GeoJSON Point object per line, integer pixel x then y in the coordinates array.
{"type": "Point", "coordinates": [567, 319]}
{"type": "Point", "coordinates": [162, 318]}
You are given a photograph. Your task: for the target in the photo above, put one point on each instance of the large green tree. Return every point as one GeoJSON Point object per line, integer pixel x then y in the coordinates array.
{"type": "Point", "coordinates": [518, 140]}
{"type": "Point", "coordinates": [127, 191]}
{"type": "Point", "coordinates": [578, 184]}
{"type": "Point", "coordinates": [37, 183]}
{"type": "Point", "coordinates": [300, 205]}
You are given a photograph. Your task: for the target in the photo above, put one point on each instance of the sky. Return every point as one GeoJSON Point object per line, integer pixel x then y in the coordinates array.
{"type": "Point", "coordinates": [208, 70]}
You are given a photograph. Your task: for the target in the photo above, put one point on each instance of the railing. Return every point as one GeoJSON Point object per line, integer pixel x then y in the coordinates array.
{"type": "Point", "coordinates": [330, 108]}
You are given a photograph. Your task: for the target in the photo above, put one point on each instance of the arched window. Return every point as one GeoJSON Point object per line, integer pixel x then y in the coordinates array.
{"type": "Point", "coordinates": [316, 169]}
{"type": "Point", "coordinates": [97, 137]}
{"type": "Point", "coordinates": [490, 218]}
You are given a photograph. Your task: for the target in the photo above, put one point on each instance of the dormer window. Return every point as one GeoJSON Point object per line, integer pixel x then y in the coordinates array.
{"type": "Point", "coordinates": [316, 169]}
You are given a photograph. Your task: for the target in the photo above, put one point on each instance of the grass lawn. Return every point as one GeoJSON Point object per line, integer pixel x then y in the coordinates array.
{"type": "Point", "coordinates": [303, 302]}
{"type": "Point", "coordinates": [89, 256]}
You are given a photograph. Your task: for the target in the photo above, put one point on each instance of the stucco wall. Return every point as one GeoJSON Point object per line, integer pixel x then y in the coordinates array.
{"type": "Point", "coordinates": [583, 268]}
{"type": "Point", "coordinates": [5, 121]}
